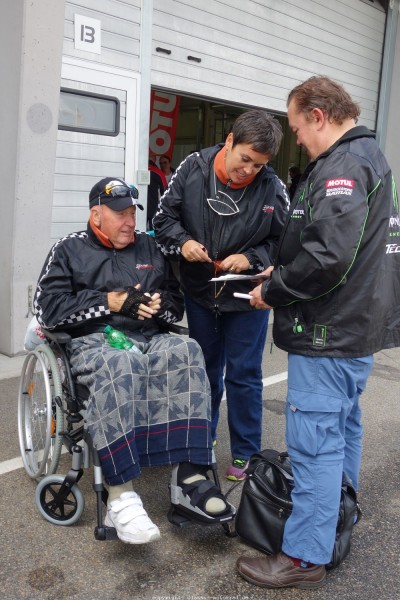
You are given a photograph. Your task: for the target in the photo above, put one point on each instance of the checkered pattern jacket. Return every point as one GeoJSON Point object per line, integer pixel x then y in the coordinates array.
{"type": "Point", "coordinates": [71, 293]}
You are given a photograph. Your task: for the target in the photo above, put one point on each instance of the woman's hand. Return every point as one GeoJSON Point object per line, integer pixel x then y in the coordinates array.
{"type": "Point", "coordinates": [193, 251]}
{"type": "Point", "coordinates": [235, 263]}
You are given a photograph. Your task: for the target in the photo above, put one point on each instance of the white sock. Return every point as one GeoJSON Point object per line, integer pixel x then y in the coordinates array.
{"type": "Point", "coordinates": [213, 505]}
{"type": "Point", "coordinates": [114, 491]}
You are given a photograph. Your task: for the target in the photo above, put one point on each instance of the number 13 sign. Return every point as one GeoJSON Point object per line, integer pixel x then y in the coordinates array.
{"type": "Point", "coordinates": [87, 34]}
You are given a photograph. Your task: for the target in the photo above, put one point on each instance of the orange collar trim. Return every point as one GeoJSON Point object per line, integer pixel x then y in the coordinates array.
{"type": "Point", "coordinates": [103, 239]}
{"type": "Point", "coordinates": [220, 171]}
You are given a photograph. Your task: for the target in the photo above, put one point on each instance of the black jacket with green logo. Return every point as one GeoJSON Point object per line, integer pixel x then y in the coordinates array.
{"type": "Point", "coordinates": [336, 285]}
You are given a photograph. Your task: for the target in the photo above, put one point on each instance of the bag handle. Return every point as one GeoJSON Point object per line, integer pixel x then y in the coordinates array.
{"type": "Point", "coordinates": [273, 457]}
{"type": "Point", "coordinates": [278, 459]}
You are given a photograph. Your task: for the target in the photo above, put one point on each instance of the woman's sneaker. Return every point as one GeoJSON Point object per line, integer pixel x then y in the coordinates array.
{"type": "Point", "coordinates": [236, 471]}
{"type": "Point", "coordinates": [130, 520]}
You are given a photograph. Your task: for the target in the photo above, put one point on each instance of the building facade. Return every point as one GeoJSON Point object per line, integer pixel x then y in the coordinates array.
{"type": "Point", "coordinates": [77, 78]}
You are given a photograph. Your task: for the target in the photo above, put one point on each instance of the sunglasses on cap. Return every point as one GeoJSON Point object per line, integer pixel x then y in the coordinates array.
{"type": "Point", "coordinates": [120, 191]}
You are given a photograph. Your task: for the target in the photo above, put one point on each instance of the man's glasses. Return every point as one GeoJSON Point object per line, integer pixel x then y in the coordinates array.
{"type": "Point", "coordinates": [121, 191]}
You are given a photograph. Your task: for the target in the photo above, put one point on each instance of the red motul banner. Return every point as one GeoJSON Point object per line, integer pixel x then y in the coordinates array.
{"type": "Point", "coordinates": [164, 110]}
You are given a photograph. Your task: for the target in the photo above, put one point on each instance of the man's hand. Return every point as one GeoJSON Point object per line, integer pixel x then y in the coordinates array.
{"type": "Point", "coordinates": [193, 251]}
{"type": "Point", "coordinates": [116, 300]}
{"type": "Point", "coordinates": [146, 311]}
{"type": "Point", "coordinates": [256, 299]}
{"type": "Point", "coordinates": [267, 271]}
{"type": "Point", "coordinates": [136, 309]}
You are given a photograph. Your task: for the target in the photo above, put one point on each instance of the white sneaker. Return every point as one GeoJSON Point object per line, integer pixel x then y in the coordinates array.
{"type": "Point", "coordinates": [131, 521]}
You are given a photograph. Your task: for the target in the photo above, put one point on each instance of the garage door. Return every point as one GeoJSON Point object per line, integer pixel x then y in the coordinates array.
{"type": "Point", "coordinates": [254, 52]}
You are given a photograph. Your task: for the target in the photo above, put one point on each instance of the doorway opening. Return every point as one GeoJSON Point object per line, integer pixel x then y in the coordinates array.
{"type": "Point", "coordinates": [203, 122]}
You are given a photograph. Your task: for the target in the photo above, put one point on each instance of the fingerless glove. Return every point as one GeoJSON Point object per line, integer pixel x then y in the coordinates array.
{"type": "Point", "coordinates": [131, 305]}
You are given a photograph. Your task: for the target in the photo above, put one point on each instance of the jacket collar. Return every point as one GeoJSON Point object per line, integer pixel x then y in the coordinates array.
{"type": "Point", "coordinates": [98, 235]}
{"type": "Point", "coordinates": [360, 131]}
{"type": "Point", "coordinates": [352, 134]}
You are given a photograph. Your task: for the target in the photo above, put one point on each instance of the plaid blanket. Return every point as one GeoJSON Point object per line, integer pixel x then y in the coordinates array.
{"type": "Point", "coordinates": [145, 409]}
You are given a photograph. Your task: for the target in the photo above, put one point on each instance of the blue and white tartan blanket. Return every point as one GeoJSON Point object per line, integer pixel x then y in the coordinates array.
{"type": "Point", "coordinates": [144, 409]}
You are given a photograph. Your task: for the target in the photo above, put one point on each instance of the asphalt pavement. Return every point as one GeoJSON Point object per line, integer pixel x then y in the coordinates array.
{"type": "Point", "coordinates": [43, 561]}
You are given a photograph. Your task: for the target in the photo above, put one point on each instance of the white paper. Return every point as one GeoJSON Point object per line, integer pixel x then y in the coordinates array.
{"type": "Point", "coordinates": [238, 277]}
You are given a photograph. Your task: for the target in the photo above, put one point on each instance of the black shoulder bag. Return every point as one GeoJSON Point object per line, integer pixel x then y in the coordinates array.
{"type": "Point", "coordinates": [266, 504]}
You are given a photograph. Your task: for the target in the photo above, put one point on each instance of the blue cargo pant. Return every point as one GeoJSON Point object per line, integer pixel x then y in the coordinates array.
{"type": "Point", "coordinates": [324, 438]}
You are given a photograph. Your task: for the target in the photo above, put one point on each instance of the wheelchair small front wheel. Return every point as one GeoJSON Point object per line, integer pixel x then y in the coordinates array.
{"type": "Point", "coordinates": [56, 504]}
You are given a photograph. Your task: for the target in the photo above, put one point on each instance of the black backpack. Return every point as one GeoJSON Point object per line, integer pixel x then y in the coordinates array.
{"type": "Point", "coordinates": [266, 504]}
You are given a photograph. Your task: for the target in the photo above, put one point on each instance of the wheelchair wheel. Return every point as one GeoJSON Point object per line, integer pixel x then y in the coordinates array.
{"type": "Point", "coordinates": [56, 507]}
{"type": "Point", "coordinates": [40, 418]}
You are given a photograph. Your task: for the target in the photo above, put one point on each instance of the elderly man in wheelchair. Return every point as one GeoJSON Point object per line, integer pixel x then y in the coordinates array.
{"type": "Point", "coordinates": [146, 407]}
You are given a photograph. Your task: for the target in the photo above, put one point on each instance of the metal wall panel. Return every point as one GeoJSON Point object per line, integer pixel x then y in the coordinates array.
{"type": "Point", "coordinates": [254, 52]}
{"type": "Point", "coordinates": [81, 160]}
{"type": "Point", "coordinates": [120, 31]}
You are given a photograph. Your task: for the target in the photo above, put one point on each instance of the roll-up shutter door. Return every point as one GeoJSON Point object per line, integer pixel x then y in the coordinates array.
{"type": "Point", "coordinates": [254, 52]}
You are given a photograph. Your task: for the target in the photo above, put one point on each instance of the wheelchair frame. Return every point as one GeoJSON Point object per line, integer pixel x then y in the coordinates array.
{"type": "Point", "coordinates": [51, 414]}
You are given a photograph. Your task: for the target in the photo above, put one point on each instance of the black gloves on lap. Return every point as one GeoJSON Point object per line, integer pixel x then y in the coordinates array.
{"type": "Point", "coordinates": [131, 305]}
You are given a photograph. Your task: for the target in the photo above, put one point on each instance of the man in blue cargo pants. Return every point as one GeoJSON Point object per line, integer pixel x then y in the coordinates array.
{"type": "Point", "coordinates": [335, 290]}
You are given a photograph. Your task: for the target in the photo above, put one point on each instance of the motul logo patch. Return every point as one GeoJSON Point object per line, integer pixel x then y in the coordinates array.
{"type": "Point", "coordinates": [339, 187]}
{"type": "Point", "coordinates": [339, 182]}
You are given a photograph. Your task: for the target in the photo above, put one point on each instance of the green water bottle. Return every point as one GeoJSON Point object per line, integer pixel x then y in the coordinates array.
{"type": "Point", "coordinates": [117, 339]}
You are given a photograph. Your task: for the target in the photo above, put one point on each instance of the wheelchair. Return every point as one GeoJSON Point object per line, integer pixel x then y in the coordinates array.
{"type": "Point", "coordinates": [51, 415]}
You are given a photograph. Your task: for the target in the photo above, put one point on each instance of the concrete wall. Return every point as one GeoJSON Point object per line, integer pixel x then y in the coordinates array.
{"type": "Point", "coordinates": [10, 39]}
{"type": "Point", "coordinates": [393, 121]}
{"type": "Point", "coordinates": [31, 48]}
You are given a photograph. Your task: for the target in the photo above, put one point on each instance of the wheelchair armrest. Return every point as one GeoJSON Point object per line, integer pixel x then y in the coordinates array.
{"type": "Point", "coordinates": [178, 329]}
{"type": "Point", "coordinates": [61, 337]}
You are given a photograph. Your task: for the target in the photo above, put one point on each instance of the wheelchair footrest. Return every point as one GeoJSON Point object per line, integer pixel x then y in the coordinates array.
{"type": "Point", "coordinates": [180, 519]}
{"type": "Point", "coordinates": [106, 534]}
{"type": "Point", "coordinates": [177, 519]}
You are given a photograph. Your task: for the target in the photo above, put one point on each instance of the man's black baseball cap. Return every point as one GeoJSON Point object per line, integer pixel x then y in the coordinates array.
{"type": "Point", "coordinates": [115, 193]}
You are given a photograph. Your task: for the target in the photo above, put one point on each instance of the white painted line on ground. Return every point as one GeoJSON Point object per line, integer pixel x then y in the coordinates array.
{"type": "Point", "coordinates": [10, 465]}
{"type": "Point", "coordinates": [16, 463]}
{"type": "Point", "coordinates": [275, 379]}
{"type": "Point", "coordinates": [269, 380]}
